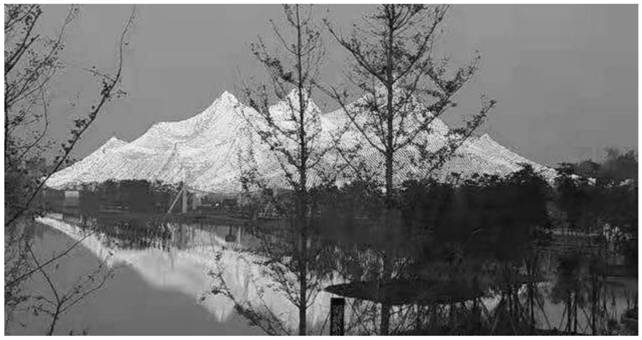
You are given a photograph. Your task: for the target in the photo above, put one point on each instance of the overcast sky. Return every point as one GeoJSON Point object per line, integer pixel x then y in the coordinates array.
{"type": "Point", "coordinates": [564, 76]}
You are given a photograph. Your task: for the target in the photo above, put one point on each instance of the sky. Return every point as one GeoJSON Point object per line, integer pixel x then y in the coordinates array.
{"type": "Point", "coordinates": [564, 76]}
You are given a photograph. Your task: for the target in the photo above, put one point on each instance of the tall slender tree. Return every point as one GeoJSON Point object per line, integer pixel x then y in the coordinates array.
{"type": "Point", "coordinates": [292, 132]}
{"type": "Point", "coordinates": [404, 88]}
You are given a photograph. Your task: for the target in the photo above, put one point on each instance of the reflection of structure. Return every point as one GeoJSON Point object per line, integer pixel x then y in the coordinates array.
{"type": "Point", "coordinates": [234, 234]}
{"type": "Point", "coordinates": [409, 292]}
{"type": "Point", "coordinates": [185, 269]}
{"type": "Point", "coordinates": [194, 249]}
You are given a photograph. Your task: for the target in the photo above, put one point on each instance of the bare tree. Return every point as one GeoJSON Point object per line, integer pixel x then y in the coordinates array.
{"type": "Point", "coordinates": [32, 59]}
{"type": "Point", "coordinates": [293, 134]}
{"type": "Point", "coordinates": [62, 301]}
{"type": "Point", "coordinates": [405, 87]}
{"type": "Point", "coordinates": [28, 70]}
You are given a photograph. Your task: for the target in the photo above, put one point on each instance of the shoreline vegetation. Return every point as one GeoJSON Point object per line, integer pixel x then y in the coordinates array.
{"type": "Point", "coordinates": [185, 227]}
{"type": "Point", "coordinates": [409, 252]}
{"type": "Point", "coordinates": [484, 235]}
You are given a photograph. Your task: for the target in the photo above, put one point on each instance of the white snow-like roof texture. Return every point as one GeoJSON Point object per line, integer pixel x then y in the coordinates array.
{"type": "Point", "coordinates": [210, 151]}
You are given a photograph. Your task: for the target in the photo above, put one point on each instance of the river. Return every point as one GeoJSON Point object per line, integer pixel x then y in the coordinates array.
{"type": "Point", "coordinates": [165, 287]}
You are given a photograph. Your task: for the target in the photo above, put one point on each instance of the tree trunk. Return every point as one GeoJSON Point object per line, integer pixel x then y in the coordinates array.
{"type": "Point", "coordinates": [302, 302]}
{"type": "Point", "coordinates": [387, 270]}
{"type": "Point", "coordinates": [575, 313]}
{"type": "Point", "coordinates": [594, 305]}
{"type": "Point", "coordinates": [531, 300]}
{"type": "Point", "coordinates": [569, 311]}
{"type": "Point", "coordinates": [54, 320]}
{"type": "Point", "coordinates": [531, 293]}
{"type": "Point", "coordinates": [303, 239]}
{"type": "Point", "coordinates": [385, 306]}
{"type": "Point", "coordinates": [302, 198]}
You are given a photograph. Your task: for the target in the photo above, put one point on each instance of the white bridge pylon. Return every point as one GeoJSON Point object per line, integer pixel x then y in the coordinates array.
{"type": "Point", "coordinates": [185, 188]}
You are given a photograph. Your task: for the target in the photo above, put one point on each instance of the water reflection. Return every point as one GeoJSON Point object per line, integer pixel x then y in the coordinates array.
{"type": "Point", "coordinates": [179, 257]}
{"type": "Point", "coordinates": [182, 255]}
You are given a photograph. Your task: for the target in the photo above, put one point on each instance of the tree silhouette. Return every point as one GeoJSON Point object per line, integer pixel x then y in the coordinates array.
{"type": "Point", "coordinates": [404, 88]}
{"type": "Point", "coordinates": [293, 134]}
{"type": "Point", "coordinates": [32, 60]}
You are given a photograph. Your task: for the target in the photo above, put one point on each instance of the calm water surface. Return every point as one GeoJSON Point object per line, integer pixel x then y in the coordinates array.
{"type": "Point", "coordinates": [163, 287]}
{"type": "Point", "coordinates": [155, 290]}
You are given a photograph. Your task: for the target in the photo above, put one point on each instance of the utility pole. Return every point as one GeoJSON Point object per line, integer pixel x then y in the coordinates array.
{"type": "Point", "coordinates": [184, 199]}
{"type": "Point", "coordinates": [184, 192]}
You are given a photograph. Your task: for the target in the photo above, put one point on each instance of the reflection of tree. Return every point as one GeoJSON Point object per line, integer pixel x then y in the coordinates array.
{"type": "Point", "coordinates": [484, 233]}
{"type": "Point", "coordinates": [275, 252]}
{"type": "Point", "coordinates": [404, 87]}
{"type": "Point", "coordinates": [292, 132]}
{"type": "Point", "coordinates": [596, 203]}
